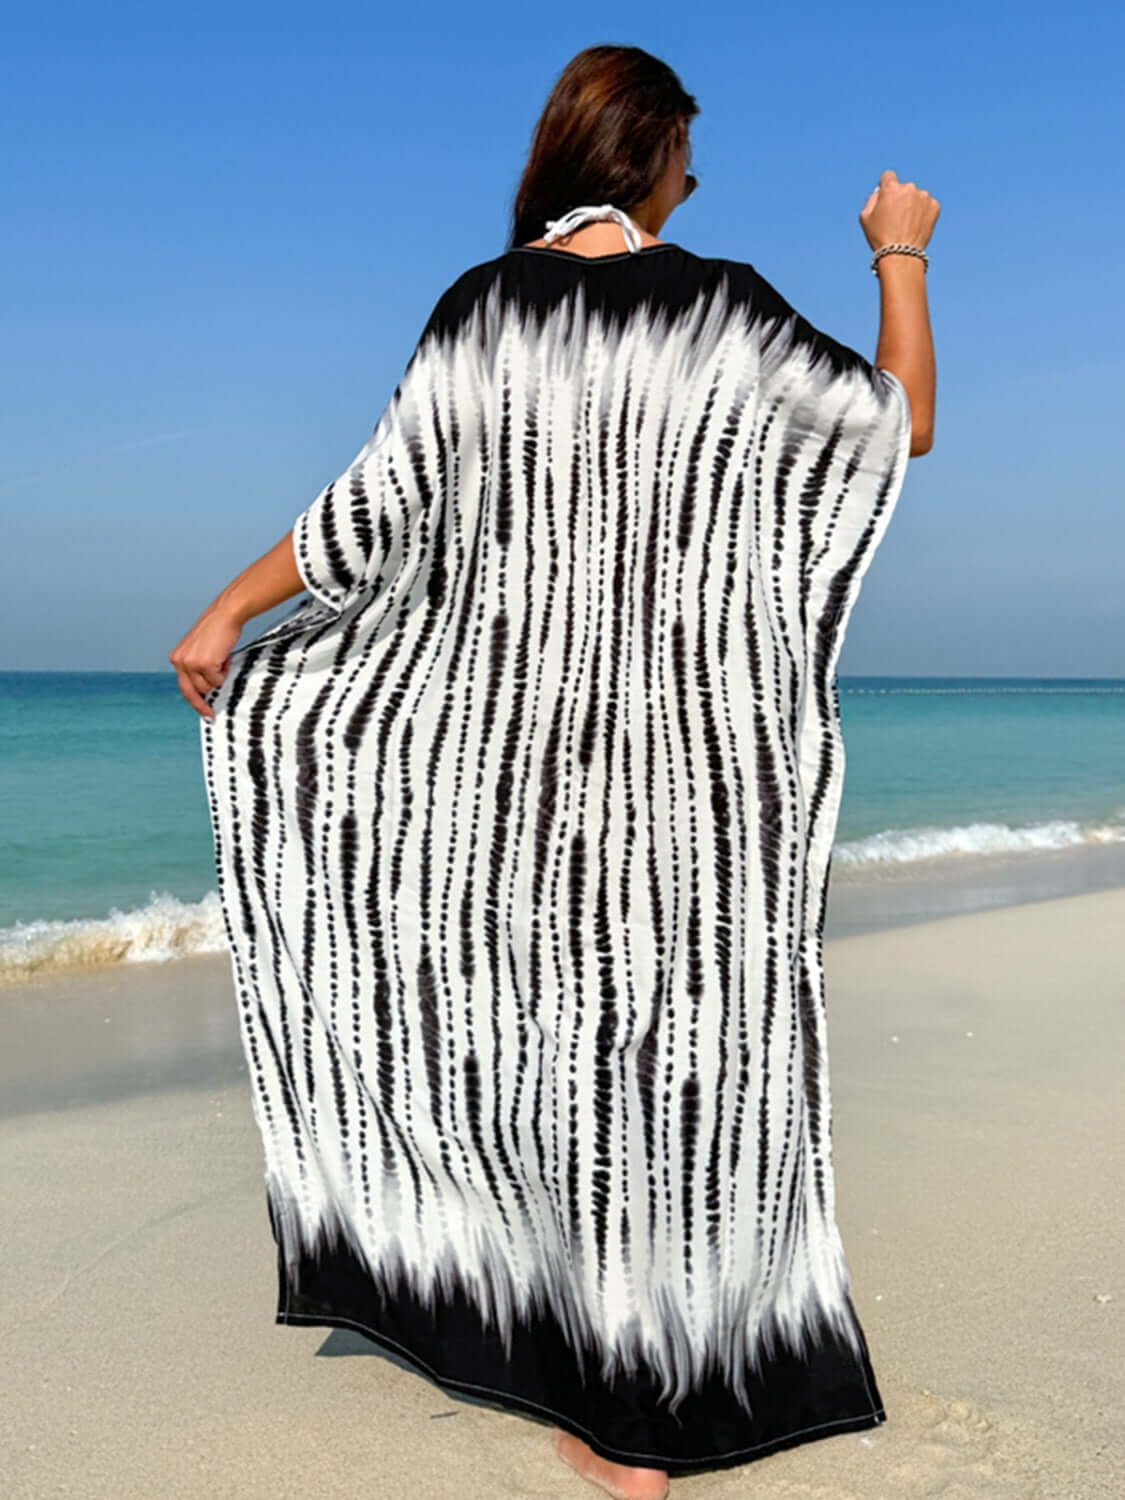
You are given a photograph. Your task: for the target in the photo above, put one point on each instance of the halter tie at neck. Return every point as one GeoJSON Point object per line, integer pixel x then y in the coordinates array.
{"type": "Point", "coordinates": [557, 228]}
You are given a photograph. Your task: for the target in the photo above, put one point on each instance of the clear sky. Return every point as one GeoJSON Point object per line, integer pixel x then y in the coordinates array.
{"type": "Point", "coordinates": [225, 228]}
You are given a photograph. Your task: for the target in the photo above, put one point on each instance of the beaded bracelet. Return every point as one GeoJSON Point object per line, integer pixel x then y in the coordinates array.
{"type": "Point", "coordinates": [900, 250]}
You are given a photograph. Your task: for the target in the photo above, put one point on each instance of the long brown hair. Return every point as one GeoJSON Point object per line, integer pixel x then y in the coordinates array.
{"type": "Point", "coordinates": [612, 119]}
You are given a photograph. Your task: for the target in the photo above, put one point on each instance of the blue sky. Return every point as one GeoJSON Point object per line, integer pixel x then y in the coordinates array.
{"type": "Point", "coordinates": [227, 226]}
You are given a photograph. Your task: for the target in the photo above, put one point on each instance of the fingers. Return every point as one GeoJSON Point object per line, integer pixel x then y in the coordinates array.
{"type": "Point", "coordinates": [203, 657]}
{"type": "Point", "coordinates": [899, 210]}
{"type": "Point", "coordinates": [208, 676]}
{"type": "Point", "coordinates": [192, 693]}
{"type": "Point", "coordinates": [202, 680]}
{"type": "Point", "coordinates": [196, 682]}
{"type": "Point", "coordinates": [887, 178]}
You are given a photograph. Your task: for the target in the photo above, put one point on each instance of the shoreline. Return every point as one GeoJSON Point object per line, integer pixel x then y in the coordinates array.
{"type": "Point", "coordinates": [861, 899]}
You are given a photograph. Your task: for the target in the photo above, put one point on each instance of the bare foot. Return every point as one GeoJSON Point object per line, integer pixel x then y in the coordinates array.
{"type": "Point", "coordinates": [616, 1479]}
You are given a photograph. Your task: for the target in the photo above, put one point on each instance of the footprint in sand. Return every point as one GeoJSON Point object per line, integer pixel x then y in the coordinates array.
{"type": "Point", "coordinates": [953, 1449]}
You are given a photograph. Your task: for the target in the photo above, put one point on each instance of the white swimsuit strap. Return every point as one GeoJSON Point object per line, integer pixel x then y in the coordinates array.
{"type": "Point", "coordinates": [557, 228]}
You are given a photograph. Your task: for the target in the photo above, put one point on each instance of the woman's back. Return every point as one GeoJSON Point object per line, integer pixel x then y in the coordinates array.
{"type": "Point", "coordinates": [524, 824]}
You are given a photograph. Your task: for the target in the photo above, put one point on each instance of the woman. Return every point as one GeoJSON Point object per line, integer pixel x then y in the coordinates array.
{"type": "Point", "coordinates": [523, 818]}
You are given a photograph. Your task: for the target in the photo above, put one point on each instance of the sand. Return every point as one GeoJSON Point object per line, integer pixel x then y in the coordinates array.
{"type": "Point", "coordinates": [977, 1103]}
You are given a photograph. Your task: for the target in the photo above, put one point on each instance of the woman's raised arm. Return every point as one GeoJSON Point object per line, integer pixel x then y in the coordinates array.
{"type": "Point", "coordinates": [899, 213]}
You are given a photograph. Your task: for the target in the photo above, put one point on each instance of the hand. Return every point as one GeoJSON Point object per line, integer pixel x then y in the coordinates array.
{"type": "Point", "coordinates": [898, 213]}
{"type": "Point", "coordinates": [202, 658]}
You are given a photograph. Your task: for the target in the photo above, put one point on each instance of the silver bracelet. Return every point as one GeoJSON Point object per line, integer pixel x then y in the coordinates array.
{"type": "Point", "coordinates": [898, 250]}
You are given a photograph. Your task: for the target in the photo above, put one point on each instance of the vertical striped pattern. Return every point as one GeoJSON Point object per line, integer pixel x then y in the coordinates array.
{"type": "Point", "coordinates": [523, 818]}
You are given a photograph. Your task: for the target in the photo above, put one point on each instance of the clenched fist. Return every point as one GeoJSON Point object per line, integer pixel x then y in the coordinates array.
{"type": "Point", "coordinates": [898, 213]}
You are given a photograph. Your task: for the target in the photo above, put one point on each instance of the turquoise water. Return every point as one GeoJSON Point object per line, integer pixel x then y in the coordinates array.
{"type": "Point", "coordinates": [107, 847]}
{"type": "Point", "coordinates": [978, 766]}
{"type": "Point", "coordinates": [102, 794]}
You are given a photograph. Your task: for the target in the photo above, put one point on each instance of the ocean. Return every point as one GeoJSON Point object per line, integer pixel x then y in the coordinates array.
{"type": "Point", "coordinates": [960, 793]}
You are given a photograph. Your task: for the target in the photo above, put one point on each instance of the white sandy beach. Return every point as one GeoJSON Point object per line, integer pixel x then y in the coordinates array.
{"type": "Point", "coordinates": [980, 1163]}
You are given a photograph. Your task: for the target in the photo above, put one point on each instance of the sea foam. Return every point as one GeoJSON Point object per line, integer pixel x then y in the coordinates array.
{"type": "Point", "coordinates": [165, 928]}
{"type": "Point", "coordinates": [903, 846]}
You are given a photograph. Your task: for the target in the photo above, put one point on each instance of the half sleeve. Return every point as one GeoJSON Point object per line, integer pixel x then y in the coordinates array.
{"type": "Point", "coordinates": [834, 437]}
{"type": "Point", "coordinates": [359, 528]}
{"type": "Point", "coordinates": [862, 449]}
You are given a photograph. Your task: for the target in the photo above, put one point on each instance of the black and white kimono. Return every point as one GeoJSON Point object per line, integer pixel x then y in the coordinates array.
{"type": "Point", "coordinates": [522, 823]}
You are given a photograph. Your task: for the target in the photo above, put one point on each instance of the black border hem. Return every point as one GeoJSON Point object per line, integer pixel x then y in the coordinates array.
{"type": "Point", "coordinates": [508, 1400]}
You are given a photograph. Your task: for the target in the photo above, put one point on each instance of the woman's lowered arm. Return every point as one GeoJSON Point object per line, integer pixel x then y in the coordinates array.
{"type": "Point", "coordinates": [202, 657]}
